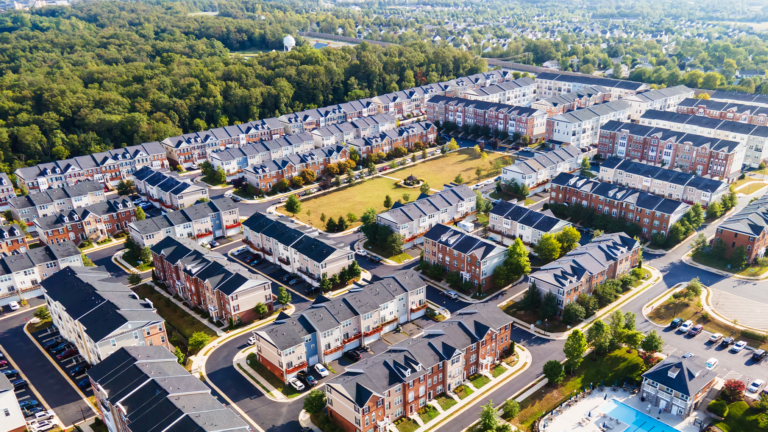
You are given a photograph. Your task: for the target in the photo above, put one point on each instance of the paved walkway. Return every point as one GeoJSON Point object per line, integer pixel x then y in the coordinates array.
{"type": "Point", "coordinates": [187, 310]}
{"type": "Point", "coordinates": [241, 364]}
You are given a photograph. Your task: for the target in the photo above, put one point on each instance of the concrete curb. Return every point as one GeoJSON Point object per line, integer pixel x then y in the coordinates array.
{"type": "Point", "coordinates": [105, 246]}
{"type": "Point", "coordinates": [117, 258]}
{"type": "Point", "coordinates": [687, 259]}
{"type": "Point", "coordinates": [255, 379]}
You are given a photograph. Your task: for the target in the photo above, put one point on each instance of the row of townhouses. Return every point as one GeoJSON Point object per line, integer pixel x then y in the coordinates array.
{"type": "Point", "coordinates": [238, 158]}
{"type": "Point", "coordinates": [508, 222]}
{"type": "Point", "coordinates": [670, 183]}
{"type": "Point", "coordinates": [332, 326]}
{"type": "Point", "coordinates": [99, 315]}
{"type": "Point", "coordinates": [582, 269]}
{"type": "Point", "coordinates": [412, 220]}
{"type": "Point", "coordinates": [12, 240]}
{"type": "Point", "coordinates": [51, 201]}
{"type": "Point", "coordinates": [167, 191]}
{"type": "Point", "coordinates": [543, 167]}
{"type": "Point", "coordinates": [295, 248]}
{"type": "Point", "coordinates": [553, 84]}
{"type": "Point", "coordinates": [750, 114]}
{"type": "Point", "coordinates": [13, 420]}
{"type": "Point", "coordinates": [341, 133]}
{"type": "Point", "coordinates": [581, 128]}
{"type": "Point", "coordinates": [666, 99]}
{"type": "Point", "coordinates": [404, 136]}
{"type": "Point", "coordinates": [474, 258]}
{"type": "Point", "coordinates": [373, 393]}
{"type": "Point", "coordinates": [203, 222]}
{"type": "Point", "coordinates": [520, 92]}
{"type": "Point", "coordinates": [21, 273]}
{"type": "Point", "coordinates": [266, 174]}
{"type": "Point", "coordinates": [583, 98]}
{"type": "Point", "coordinates": [497, 116]}
{"type": "Point", "coordinates": [7, 192]}
{"type": "Point", "coordinates": [738, 97]}
{"type": "Point", "coordinates": [209, 281]}
{"type": "Point", "coordinates": [748, 228]}
{"type": "Point", "coordinates": [653, 213]}
{"type": "Point", "coordinates": [753, 138]}
{"type": "Point", "coordinates": [703, 155]}
{"type": "Point", "coordinates": [144, 388]}
{"type": "Point", "coordinates": [94, 222]}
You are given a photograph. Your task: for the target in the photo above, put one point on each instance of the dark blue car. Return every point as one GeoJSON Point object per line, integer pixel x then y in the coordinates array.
{"type": "Point", "coordinates": [84, 384]}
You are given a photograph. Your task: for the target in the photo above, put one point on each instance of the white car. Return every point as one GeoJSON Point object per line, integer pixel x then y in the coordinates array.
{"type": "Point", "coordinates": [451, 294]}
{"type": "Point", "coordinates": [45, 415]}
{"type": "Point", "coordinates": [362, 253]}
{"type": "Point", "coordinates": [252, 340]}
{"type": "Point", "coordinates": [715, 338]}
{"type": "Point", "coordinates": [321, 370]}
{"type": "Point", "coordinates": [296, 384]}
{"type": "Point", "coordinates": [685, 327]}
{"type": "Point", "coordinates": [14, 305]}
{"type": "Point", "coordinates": [739, 346]}
{"type": "Point", "coordinates": [755, 386]}
{"type": "Point", "coordinates": [688, 355]}
{"type": "Point", "coordinates": [711, 363]}
{"type": "Point", "coordinates": [43, 426]}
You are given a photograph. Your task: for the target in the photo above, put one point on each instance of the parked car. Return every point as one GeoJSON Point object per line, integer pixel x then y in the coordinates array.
{"type": "Point", "coordinates": [711, 363]}
{"type": "Point", "coordinates": [688, 355]}
{"type": "Point", "coordinates": [451, 294]}
{"type": "Point", "coordinates": [14, 305]}
{"type": "Point", "coordinates": [715, 338]}
{"type": "Point", "coordinates": [362, 252]}
{"type": "Point", "coordinates": [84, 383]}
{"type": "Point", "coordinates": [677, 322]}
{"type": "Point", "coordinates": [321, 370]}
{"type": "Point", "coordinates": [296, 384]}
{"type": "Point", "coordinates": [20, 384]}
{"type": "Point", "coordinates": [740, 345]}
{"type": "Point", "coordinates": [293, 281]}
{"type": "Point", "coordinates": [311, 290]}
{"type": "Point", "coordinates": [382, 169]}
{"type": "Point", "coordinates": [287, 277]}
{"type": "Point", "coordinates": [9, 372]}
{"type": "Point", "coordinates": [28, 403]}
{"type": "Point", "coordinates": [43, 426]}
{"type": "Point", "coordinates": [252, 340]}
{"type": "Point", "coordinates": [3, 363]}
{"type": "Point", "coordinates": [79, 369]}
{"type": "Point", "coordinates": [34, 411]}
{"type": "Point", "coordinates": [755, 386]}
{"type": "Point", "coordinates": [43, 415]}
{"type": "Point", "coordinates": [759, 355]}
{"type": "Point", "coordinates": [696, 330]}
{"type": "Point", "coordinates": [686, 326]}
{"type": "Point", "coordinates": [727, 341]}
{"type": "Point", "coordinates": [194, 166]}
{"type": "Point", "coordinates": [67, 354]}
{"type": "Point", "coordinates": [61, 348]}
{"type": "Point", "coordinates": [354, 355]}
{"type": "Point", "coordinates": [214, 243]}
{"type": "Point", "coordinates": [307, 378]}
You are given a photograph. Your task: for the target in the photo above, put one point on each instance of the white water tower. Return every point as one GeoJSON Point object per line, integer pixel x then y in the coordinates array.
{"type": "Point", "coordinates": [288, 43]}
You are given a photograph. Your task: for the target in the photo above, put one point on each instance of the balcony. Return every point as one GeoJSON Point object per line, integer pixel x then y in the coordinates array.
{"type": "Point", "coordinates": [353, 338]}
{"type": "Point", "coordinates": [308, 274]}
{"type": "Point", "coordinates": [205, 234]}
{"type": "Point", "coordinates": [392, 321]}
{"type": "Point", "coordinates": [419, 308]}
{"type": "Point", "coordinates": [168, 206]}
{"type": "Point", "coordinates": [296, 368]}
{"type": "Point", "coordinates": [333, 350]}
{"type": "Point", "coordinates": [151, 198]}
{"type": "Point", "coordinates": [235, 225]}
{"type": "Point", "coordinates": [373, 332]}
{"type": "Point", "coordinates": [284, 260]}
{"type": "Point", "coordinates": [212, 308]}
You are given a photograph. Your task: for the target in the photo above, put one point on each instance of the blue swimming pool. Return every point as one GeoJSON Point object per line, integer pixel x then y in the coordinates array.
{"type": "Point", "coordinates": [637, 421]}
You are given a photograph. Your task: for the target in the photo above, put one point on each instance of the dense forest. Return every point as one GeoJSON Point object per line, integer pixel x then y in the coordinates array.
{"type": "Point", "coordinates": [101, 75]}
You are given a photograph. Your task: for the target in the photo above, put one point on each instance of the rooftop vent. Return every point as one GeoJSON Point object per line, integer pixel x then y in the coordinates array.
{"type": "Point", "coordinates": [673, 372]}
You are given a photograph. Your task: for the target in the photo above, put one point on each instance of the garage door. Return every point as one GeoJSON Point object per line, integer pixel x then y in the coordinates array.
{"type": "Point", "coordinates": [313, 360]}
{"type": "Point", "coordinates": [390, 328]}
{"type": "Point", "coordinates": [354, 344]}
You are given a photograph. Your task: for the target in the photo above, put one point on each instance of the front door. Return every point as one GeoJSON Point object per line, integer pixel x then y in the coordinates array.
{"type": "Point", "coordinates": [663, 404]}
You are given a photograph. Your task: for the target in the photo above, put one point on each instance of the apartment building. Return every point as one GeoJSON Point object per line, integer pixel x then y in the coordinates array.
{"type": "Point", "coordinates": [209, 281]}
{"type": "Point", "coordinates": [13, 418]}
{"type": "Point", "coordinates": [666, 99]}
{"type": "Point", "coordinates": [204, 222]}
{"type": "Point", "coordinates": [669, 183]}
{"type": "Point", "coordinates": [95, 222]}
{"type": "Point", "coordinates": [472, 257]}
{"type": "Point", "coordinates": [12, 240]}
{"type": "Point", "coordinates": [295, 248]}
{"type": "Point", "coordinates": [688, 152]}
{"type": "Point", "coordinates": [374, 392]}
{"type": "Point", "coordinates": [543, 167]}
{"type": "Point", "coordinates": [20, 274]}
{"type": "Point", "coordinates": [51, 201]}
{"type": "Point", "coordinates": [508, 222]}
{"type": "Point", "coordinates": [678, 385]}
{"type": "Point", "coordinates": [501, 117]}
{"type": "Point", "coordinates": [7, 192]}
{"type": "Point", "coordinates": [167, 191]}
{"type": "Point", "coordinates": [107, 167]}
{"type": "Point", "coordinates": [332, 326]}
{"type": "Point", "coordinates": [403, 104]}
{"type": "Point", "coordinates": [99, 315]}
{"type": "Point", "coordinates": [582, 269]}
{"type": "Point", "coordinates": [144, 388]}
{"type": "Point", "coordinates": [748, 228]}
{"type": "Point", "coordinates": [583, 98]}
{"type": "Point", "coordinates": [581, 128]}
{"type": "Point", "coordinates": [756, 99]}
{"type": "Point", "coordinates": [267, 174]}
{"type": "Point", "coordinates": [554, 84]}
{"type": "Point", "coordinates": [751, 114]}
{"type": "Point", "coordinates": [412, 220]}
{"type": "Point", "coordinates": [519, 92]}
{"type": "Point", "coordinates": [234, 161]}
{"type": "Point", "coordinates": [653, 213]}
{"type": "Point", "coordinates": [752, 137]}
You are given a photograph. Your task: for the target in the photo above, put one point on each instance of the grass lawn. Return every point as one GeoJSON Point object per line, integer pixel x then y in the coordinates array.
{"type": "Point", "coordinates": [271, 378]}
{"type": "Point", "coordinates": [501, 195]}
{"type": "Point", "coordinates": [211, 182]}
{"type": "Point", "coordinates": [498, 370]}
{"type": "Point", "coordinates": [646, 275]}
{"type": "Point", "coordinates": [98, 426]}
{"type": "Point", "coordinates": [174, 316]}
{"type": "Point", "coordinates": [262, 386]}
{"type": "Point", "coordinates": [721, 264]}
{"type": "Point", "coordinates": [407, 425]}
{"type": "Point", "coordinates": [463, 391]}
{"type": "Point", "coordinates": [554, 326]}
{"type": "Point", "coordinates": [479, 381]}
{"type": "Point", "coordinates": [483, 219]}
{"type": "Point", "coordinates": [445, 401]}
{"type": "Point", "coordinates": [528, 202]}
{"type": "Point", "coordinates": [133, 260]}
{"type": "Point", "coordinates": [741, 418]}
{"type": "Point", "coordinates": [617, 365]}
{"type": "Point", "coordinates": [751, 188]}
{"type": "Point", "coordinates": [42, 325]}
{"type": "Point", "coordinates": [400, 258]}
{"type": "Point", "coordinates": [429, 413]}
{"type": "Point", "coordinates": [242, 194]}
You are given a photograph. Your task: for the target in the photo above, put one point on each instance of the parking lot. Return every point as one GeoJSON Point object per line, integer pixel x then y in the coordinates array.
{"type": "Point", "coordinates": [23, 394]}
{"type": "Point", "coordinates": [70, 365]}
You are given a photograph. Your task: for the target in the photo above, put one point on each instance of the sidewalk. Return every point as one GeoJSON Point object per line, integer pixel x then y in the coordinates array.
{"type": "Point", "coordinates": [117, 258]}
{"type": "Point", "coordinates": [241, 364]}
{"type": "Point", "coordinates": [104, 246]}
{"type": "Point", "coordinates": [689, 260]}
{"type": "Point", "coordinates": [217, 330]}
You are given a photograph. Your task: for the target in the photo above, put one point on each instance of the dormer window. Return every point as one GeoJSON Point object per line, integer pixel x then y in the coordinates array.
{"type": "Point", "coordinates": [66, 219]}
{"type": "Point", "coordinates": [673, 372]}
{"type": "Point", "coordinates": [5, 235]}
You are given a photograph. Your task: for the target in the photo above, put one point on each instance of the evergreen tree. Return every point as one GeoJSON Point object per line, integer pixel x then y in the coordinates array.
{"type": "Point", "coordinates": [531, 298]}
{"type": "Point", "coordinates": [330, 226]}
{"type": "Point", "coordinates": [283, 296]}
{"type": "Point", "coordinates": [388, 202]}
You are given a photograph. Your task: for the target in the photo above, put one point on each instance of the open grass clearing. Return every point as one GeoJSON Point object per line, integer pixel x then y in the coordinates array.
{"type": "Point", "coordinates": [722, 264]}
{"type": "Point", "coordinates": [751, 188]}
{"type": "Point", "coordinates": [173, 315]}
{"type": "Point", "coordinates": [442, 170]}
{"type": "Point", "coordinates": [445, 401]}
{"type": "Point", "coordinates": [132, 259]}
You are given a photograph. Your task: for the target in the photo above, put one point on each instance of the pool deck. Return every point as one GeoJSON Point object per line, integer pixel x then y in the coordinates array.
{"type": "Point", "coordinates": [570, 418]}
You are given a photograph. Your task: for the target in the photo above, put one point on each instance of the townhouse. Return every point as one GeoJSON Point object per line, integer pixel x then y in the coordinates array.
{"type": "Point", "coordinates": [412, 220]}
{"type": "Point", "coordinates": [99, 315]}
{"type": "Point", "coordinates": [581, 128]}
{"type": "Point", "coordinates": [672, 184]}
{"type": "Point", "coordinates": [748, 228]}
{"type": "Point", "coordinates": [51, 201]}
{"type": "Point", "coordinates": [144, 388]}
{"type": "Point", "coordinates": [582, 269]}
{"type": "Point", "coordinates": [234, 161]}
{"type": "Point", "coordinates": [582, 98]}
{"type": "Point", "coordinates": [374, 392]}
{"type": "Point", "coordinates": [309, 120]}
{"type": "Point", "coordinates": [13, 418]}
{"type": "Point", "coordinates": [295, 248]}
{"type": "Point", "coordinates": [107, 167]}
{"type": "Point", "coordinates": [167, 191]}
{"type": "Point", "coordinates": [756, 99]}
{"type": "Point", "coordinates": [519, 92]}
{"type": "Point", "coordinates": [653, 213]}
{"type": "Point", "coordinates": [266, 175]}
{"type": "Point", "coordinates": [12, 240]}
{"type": "Point", "coordinates": [752, 137]}
{"type": "Point", "coordinates": [20, 274]}
{"type": "Point", "coordinates": [405, 136]}
{"type": "Point", "coordinates": [403, 104]}
{"type": "Point", "coordinates": [457, 87]}
{"type": "Point", "coordinates": [7, 191]}
{"type": "Point", "coordinates": [204, 222]}
{"type": "Point", "coordinates": [342, 133]}
{"type": "Point", "coordinates": [94, 222]}
{"type": "Point", "coordinates": [332, 326]}
{"type": "Point", "coordinates": [704, 155]}
{"type": "Point", "coordinates": [721, 110]}
{"type": "Point", "coordinates": [678, 385]}
{"type": "Point", "coordinates": [508, 222]}
{"type": "Point", "coordinates": [501, 117]}
{"type": "Point", "coordinates": [666, 99]}
{"type": "Point", "coordinates": [543, 167]}
{"type": "Point", "coordinates": [553, 84]}
{"type": "Point", "coordinates": [472, 257]}
{"type": "Point", "coordinates": [209, 281]}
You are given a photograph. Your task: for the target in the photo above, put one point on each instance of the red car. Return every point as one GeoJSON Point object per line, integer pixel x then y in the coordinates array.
{"type": "Point", "coordinates": [384, 169]}
{"type": "Point", "coordinates": [3, 362]}
{"type": "Point", "coordinates": [696, 330]}
{"type": "Point", "coordinates": [67, 354]}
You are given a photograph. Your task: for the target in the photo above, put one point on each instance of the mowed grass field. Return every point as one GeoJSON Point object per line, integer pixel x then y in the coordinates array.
{"type": "Point", "coordinates": [443, 170]}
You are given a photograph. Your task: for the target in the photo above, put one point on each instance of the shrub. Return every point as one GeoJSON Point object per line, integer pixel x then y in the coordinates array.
{"type": "Point", "coordinates": [733, 390]}
{"type": "Point", "coordinates": [762, 337]}
{"type": "Point", "coordinates": [718, 407]}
